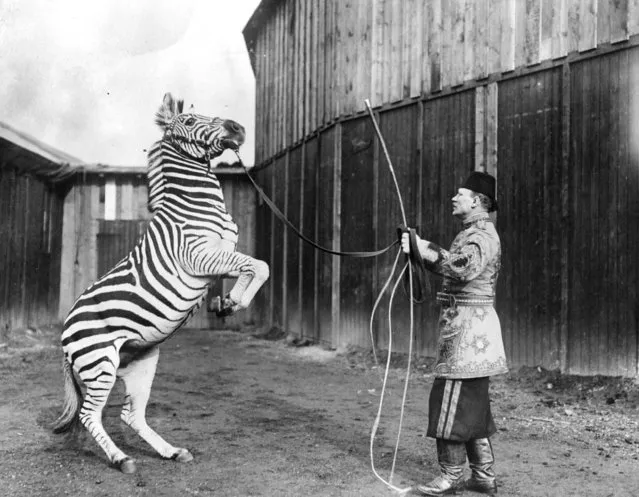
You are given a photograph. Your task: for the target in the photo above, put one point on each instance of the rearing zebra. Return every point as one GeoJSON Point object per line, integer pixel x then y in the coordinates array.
{"type": "Point", "coordinates": [115, 327]}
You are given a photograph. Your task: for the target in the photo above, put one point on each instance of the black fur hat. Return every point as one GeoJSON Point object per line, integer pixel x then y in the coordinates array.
{"type": "Point", "coordinates": [483, 183]}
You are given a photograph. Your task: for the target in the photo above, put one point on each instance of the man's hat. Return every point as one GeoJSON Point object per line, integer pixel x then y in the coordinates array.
{"type": "Point", "coordinates": [483, 183]}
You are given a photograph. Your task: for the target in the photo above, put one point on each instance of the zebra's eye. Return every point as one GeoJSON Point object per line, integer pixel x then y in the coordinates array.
{"type": "Point", "coordinates": [190, 121]}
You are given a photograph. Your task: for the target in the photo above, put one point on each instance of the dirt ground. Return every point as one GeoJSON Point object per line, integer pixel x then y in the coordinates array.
{"type": "Point", "coordinates": [267, 418]}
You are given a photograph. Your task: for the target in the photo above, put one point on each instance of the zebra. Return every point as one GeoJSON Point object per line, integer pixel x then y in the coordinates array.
{"type": "Point", "coordinates": [114, 329]}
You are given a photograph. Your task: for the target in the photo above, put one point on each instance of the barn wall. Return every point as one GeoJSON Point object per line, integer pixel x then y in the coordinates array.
{"type": "Point", "coordinates": [530, 221]}
{"type": "Point", "coordinates": [30, 249]}
{"type": "Point", "coordinates": [99, 230]}
{"type": "Point", "coordinates": [561, 139]}
{"type": "Point", "coordinates": [315, 61]}
{"type": "Point", "coordinates": [603, 211]}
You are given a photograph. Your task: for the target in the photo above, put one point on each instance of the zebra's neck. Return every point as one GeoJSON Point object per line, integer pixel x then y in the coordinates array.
{"type": "Point", "coordinates": [175, 180]}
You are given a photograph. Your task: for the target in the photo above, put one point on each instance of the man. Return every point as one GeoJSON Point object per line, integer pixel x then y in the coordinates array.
{"type": "Point", "coordinates": [470, 347]}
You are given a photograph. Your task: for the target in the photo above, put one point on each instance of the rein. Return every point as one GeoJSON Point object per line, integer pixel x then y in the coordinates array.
{"type": "Point", "coordinates": [278, 213]}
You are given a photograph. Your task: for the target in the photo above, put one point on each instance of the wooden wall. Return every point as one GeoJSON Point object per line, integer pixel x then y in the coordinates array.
{"type": "Point", "coordinates": [553, 114]}
{"type": "Point", "coordinates": [105, 213]}
{"type": "Point", "coordinates": [30, 249]}
{"type": "Point", "coordinates": [85, 206]}
{"type": "Point", "coordinates": [317, 60]}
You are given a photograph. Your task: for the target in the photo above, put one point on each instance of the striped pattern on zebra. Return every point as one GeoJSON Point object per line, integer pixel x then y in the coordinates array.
{"type": "Point", "coordinates": [115, 327]}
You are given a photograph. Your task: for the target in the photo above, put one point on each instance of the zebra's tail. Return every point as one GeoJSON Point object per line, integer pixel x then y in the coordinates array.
{"type": "Point", "coordinates": [69, 420]}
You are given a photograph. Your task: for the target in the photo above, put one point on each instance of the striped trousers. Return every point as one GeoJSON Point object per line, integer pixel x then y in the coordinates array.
{"type": "Point", "coordinates": [459, 410]}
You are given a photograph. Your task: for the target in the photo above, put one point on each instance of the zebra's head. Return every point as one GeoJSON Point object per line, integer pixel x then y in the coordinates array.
{"type": "Point", "coordinates": [199, 137]}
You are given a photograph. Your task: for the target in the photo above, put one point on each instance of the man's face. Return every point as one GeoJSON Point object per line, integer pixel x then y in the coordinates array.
{"type": "Point", "coordinates": [463, 203]}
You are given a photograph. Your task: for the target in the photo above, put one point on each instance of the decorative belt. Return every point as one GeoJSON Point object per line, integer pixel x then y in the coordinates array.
{"type": "Point", "coordinates": [451, 300]}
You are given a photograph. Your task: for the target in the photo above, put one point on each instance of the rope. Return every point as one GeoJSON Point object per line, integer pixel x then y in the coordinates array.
{"type": "Point", "coordinates": [389, 482]}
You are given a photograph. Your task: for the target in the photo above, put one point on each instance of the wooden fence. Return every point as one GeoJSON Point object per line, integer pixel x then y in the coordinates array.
{"type": "Point", "coordinates": [30, 247]}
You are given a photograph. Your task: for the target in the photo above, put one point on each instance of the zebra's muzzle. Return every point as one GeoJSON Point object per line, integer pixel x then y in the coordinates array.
{"type": "Point", "coordinates": [232, 144]}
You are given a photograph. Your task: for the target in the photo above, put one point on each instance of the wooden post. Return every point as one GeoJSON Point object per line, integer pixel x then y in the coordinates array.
{"type": "Point", "coordinates": [67, 257]}
{"type": "Point", "coordinates": [337, 226]}
{"type": "Point", "coordinates": [492, 122]}
{"type": "Point", "coordinates": [284, 254]}
{"type": "Point", "coordinates": [480, 128]}
{"type": "Point", "coordinates": [565, 217]}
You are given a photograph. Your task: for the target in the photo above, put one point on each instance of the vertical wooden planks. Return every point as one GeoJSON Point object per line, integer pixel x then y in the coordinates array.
{"type": "Point", "coordinates": [508, 35]}
{"type": "Point", "coordinates": [559, 44]}
{"type": "Point", "coordinates": [619, 20]}
{"type": "Point", "coordinates": [533, 31]}
{"type": "Point", "coordinates": [357, 230]}
{"type": "Point", "coordinates": [546, 27]}
{"type": "Point", "coordinates": [480, 128]}
{"type": "Point", "coordinates": [491, 119]}
{"type": "Point", "coordinates": [434, 10]}
{"type": "Point", "coordinates": [588, 25]}
{"type": "Point", "coordinates": [493, 38]}
{"type": "Point", "coordinates": [350, 47]}
{"type": "Point", "coordinates": [395, 29]}
{"type": "Point", "coordinates": [446, 42]}
{"type": "Point", "coordinates": [407, 40]}
{"type": "Point", "coordinates": [126, 204]}
{"type": "Point", "coordinates": [377, 50]}
{"type": "Point", "coordinates": [329, 88]}
{"type": "Point", "coordinates": [633, 17]}
{"type": "Point", "coordinates": [520, 31]}
{"type": "Point", "coordinates": [325, 205]}
{"type": "Point", "coordinates": [479, 42]}
{"type": "Point", "coordinates": [307, 22]}
{"type": "Point", "coordinates": [67, 264]}
{"type": "Point", "coordinates": [528, 300]}
{"type": "Point", "coordinates": [309, 224]}
{"type": "Point", "coordinates": [293, 251]}
{"type": "Point", "coordinates": [603, 21]}
{"type": "Point", "coordinates": [336, 325]}
{"type": "Point", "coordinates": [457, 42]}
{"type": "Point", "coordinates": [417, 56]}
{"type": "Point", "coordinates": [472, 51]}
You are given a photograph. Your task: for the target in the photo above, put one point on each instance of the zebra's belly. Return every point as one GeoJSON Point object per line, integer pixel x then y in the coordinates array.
{"type": "Point", "coordinates": [131, 313]}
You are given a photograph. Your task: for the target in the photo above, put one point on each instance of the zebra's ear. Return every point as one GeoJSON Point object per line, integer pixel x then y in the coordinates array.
{"type": "Point", "coordinates": [180, 106]}
{"type": "Point", "coordinates": [166, 112]}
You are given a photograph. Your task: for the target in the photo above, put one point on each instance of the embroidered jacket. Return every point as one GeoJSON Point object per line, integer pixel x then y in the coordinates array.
{"type": "Point", "coordinates": [470, 343]}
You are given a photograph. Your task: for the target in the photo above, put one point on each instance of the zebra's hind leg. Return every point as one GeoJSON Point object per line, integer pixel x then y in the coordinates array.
{"type": "Point", "coordinates": [138, 378]}
{"type": "Point", "coordinates": [99, 381]}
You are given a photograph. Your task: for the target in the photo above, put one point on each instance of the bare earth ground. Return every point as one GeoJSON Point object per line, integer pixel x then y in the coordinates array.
{"type": "Point", "coordinates": [264, 418]}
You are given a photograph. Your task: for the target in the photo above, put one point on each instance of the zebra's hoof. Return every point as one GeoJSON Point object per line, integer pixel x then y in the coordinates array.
{"type": "Point", "coordinates": [225, 307]}
{"type": "Point", "coordinates": [127, 466]}
{"type": "Point", "coordinates": [182, 455]}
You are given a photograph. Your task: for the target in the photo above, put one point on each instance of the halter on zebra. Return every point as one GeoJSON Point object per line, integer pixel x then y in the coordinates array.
{"type": "Point", "coordinates": [116, 326]}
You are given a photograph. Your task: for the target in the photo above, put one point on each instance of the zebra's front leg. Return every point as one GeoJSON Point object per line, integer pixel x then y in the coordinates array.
{"type": "Point", "coordinates": [252, 274]}
{"type": "Point", "coordinates": [138, 378]}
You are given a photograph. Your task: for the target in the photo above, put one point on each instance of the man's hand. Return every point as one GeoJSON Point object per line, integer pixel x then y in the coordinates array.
{"type": "Point", "coordinates": [406, 242]}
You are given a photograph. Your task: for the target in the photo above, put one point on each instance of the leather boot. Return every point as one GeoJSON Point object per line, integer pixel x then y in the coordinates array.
{"type": "Point", "coordinates": [481, 460]}
{"type": "Point", "coordinates": [452, 458]}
